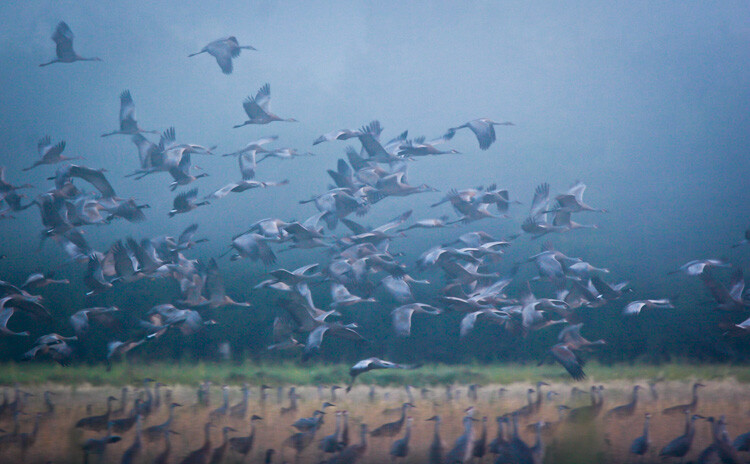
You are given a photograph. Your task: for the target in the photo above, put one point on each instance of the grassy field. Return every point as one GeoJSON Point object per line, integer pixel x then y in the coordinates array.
{"type": "Point", "coordinates": [598, 440]}
{"type": "Point", "coordinates": [313, 374]}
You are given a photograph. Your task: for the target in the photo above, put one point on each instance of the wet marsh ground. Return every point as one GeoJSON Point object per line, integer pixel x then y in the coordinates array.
{"type": "Point", "coordinates": [598, 441]}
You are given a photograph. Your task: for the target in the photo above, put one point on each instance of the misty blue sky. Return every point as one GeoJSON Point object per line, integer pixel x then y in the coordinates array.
{"type": "Point", "coordinates": [646, 102]}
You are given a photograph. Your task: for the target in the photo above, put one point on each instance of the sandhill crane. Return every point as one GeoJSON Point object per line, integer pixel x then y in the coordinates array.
{"type": "Point", "coordinates": [200, 456]}
{"type": "Point", "coordinates": [331, 443]}
{"type": "Point", "coordinates": [49, 153]}
{"type": "Point", "coordinates": [680, 446]}
{"type": "Point", "coordinates": [300, 441]}
{"type": "Point", "coordinates": [98, 445]}
{"type": "Point", "coordinates": [243, 445]}
{"type": "Point", "coordinates": [217, 456]}
{"type": "Point", "coordinates": [132, 452]}
{"type": "Point", "coordinates": [240, 409]}
{"type": "Point", "coordinates": [483, 129]}
{"type": "Point", "coordinates": [224, 50]}
{"type": "Point", "coordinates": [341, 134]}
{"type": "Point", "coordinates": [479, 446]}
{"type": "Point", "coordinates": [155, 432]}
{"type": "Point", "coordinates": [185, 202]}
{"type": "Point", "coordinates": [403, 314]}
{"type": "Point", "coordinates": [640, 445]}
{"type": "Point", "coordinates": [696, 266]}
{"type": "Point", "coordinates": [435, 451]}
{"type": "Point", "coordinates": [635, 307]}
{"type": "Point", "coordinates": [400, 447]}
{"type": "Point", "coordinates": [305, 424]}
{"type": "Point", "coordinates": [370, 364]}
{"type": "Point", "coordinates": [462, 448]}
{"type": "Point", "coordinates": [163, 457]}
{"type": "Point", "coordinates": [26, 440]}
{"type": "Point", "coordinates": [5, 315]}
{"type": "Point", "coordinates": [744, 241]}
{"type": "Point", "coordinates": [565, 352]}
{"type": "Point", "coordinates": [590, 411]}
{"type": "Point", "coordinates": [39, 280]}
{"type": "Point", "coordinates": [99, 422]}
{"type": "Point", "coordinates": [222, 410]}
{"type": "Point", "coordinates": [352, 453]}
{"type": "Point", "coordinates": [258, 108]}
{"type": "Point", "coordinates": [128, 122]}
{"type": "Point", "coordinates": [126, 423]}
{"type": "Point", "coordinates": [572, 200]}
{"type": "Point", "coordinates": [691, 406]}
{"type": "Point", "coordinates": [730, 299]}
{"type": "Point", "coordinates": [63, 38]}
{"type": "Point", "coordinates": [391, 429]}
{"type": "Point", "coordinates": [626, 410]}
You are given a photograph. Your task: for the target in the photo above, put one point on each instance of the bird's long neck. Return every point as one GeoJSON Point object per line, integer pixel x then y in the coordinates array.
{"type": "Point", "coordinates": [500, 431]}
{"type": "Point", "coordinates": [538, 444]}
{"type": "Point", "coordinates": [363, 438]}
{"type": "Point", "coordinates": [645, 428]}
{"type": "Point", "coordinates": [694, 402]}
{"type": "Point", "coordinates": [403, 414]}
{"type": "Point", "coordinates": [50, 405]}
{"type": "Point", "coordinates": [226, 397]}
{"type": "Point", "coordinates": [157, 395]}
{"type": "Point", "coordinates": [35, 430]}
{"type": "Point", "coordinates": [408, 432]}
{"type": "Point", "coordinates": [634, 398]}
{"type": "Point", "coordinates": [207, 436]}
{"type": "Point", "coordinates": [436, 434]}
{"type": "Point", "coordinates": [338, 426]}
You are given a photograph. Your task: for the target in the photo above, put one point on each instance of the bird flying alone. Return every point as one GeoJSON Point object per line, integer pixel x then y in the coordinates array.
{"type": "Point", "coordinates": [63, 38]}
{"type": "Point", "coordinates": [224, 50]}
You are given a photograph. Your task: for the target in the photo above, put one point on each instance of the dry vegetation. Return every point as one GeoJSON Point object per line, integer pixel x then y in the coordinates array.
{"type": "Point", "coordinates": [599, 441]}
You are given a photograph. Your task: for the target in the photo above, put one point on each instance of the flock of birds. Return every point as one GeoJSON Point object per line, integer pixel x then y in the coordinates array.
{"type": "Point", "coordinates": [155, 417]}
{"type": "Point", "coordinates": [360, 268]}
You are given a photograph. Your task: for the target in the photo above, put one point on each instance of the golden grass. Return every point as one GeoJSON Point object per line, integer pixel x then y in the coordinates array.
{"type": "Point", "coordinates": [600, 441]}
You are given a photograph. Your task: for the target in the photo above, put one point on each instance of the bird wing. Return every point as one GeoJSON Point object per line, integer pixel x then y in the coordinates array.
{"type": "Point", "coordinates": [468, 321]}
{"type": "Point", "coordinates": [484, 131]}
{"type": "Point", "coordinates": [63, 38]}
{"type": "Point", "coordinates": [315, 338]}
{"type": "Point", "coordinates": [737, 285]}
{"type": "Point", "coordinates": [571, 334]}
{"type": "Point", "coordinates": [562, 354]}
{"type": "Point", "coordinates": [224, 59]}
{"type": "Point", "coordinates": [94, 177]}
{"type": "Point", "coordinates": [395, 222]}
{"type": "Point", "coordinates": [214, 282]}
{"type": "Point", "coordinates": [402, 320]}
{"type": "Point", "coordinates": [541, 198]}
{"type": "Point", "coordinates": [247, 165]}
{"type": "Point", "coordinates": [182, 201]}
{"type": "Point", "coordinates": [187, 234]}
{"type": "Point", "coordinates": [263, 97]}
{"type": "Point", "coordinates": [128, 121]}
{"type": "Point", "coordinates": [5, 314]}
{"type": "Point", "coordinates": [53, 152]}
{"type": "Point", "coordinates": [577, 191]}
{"type": "Point", "coordinates": [717, 289]}
{"type": "Point", "coordinates": [44, 144]}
